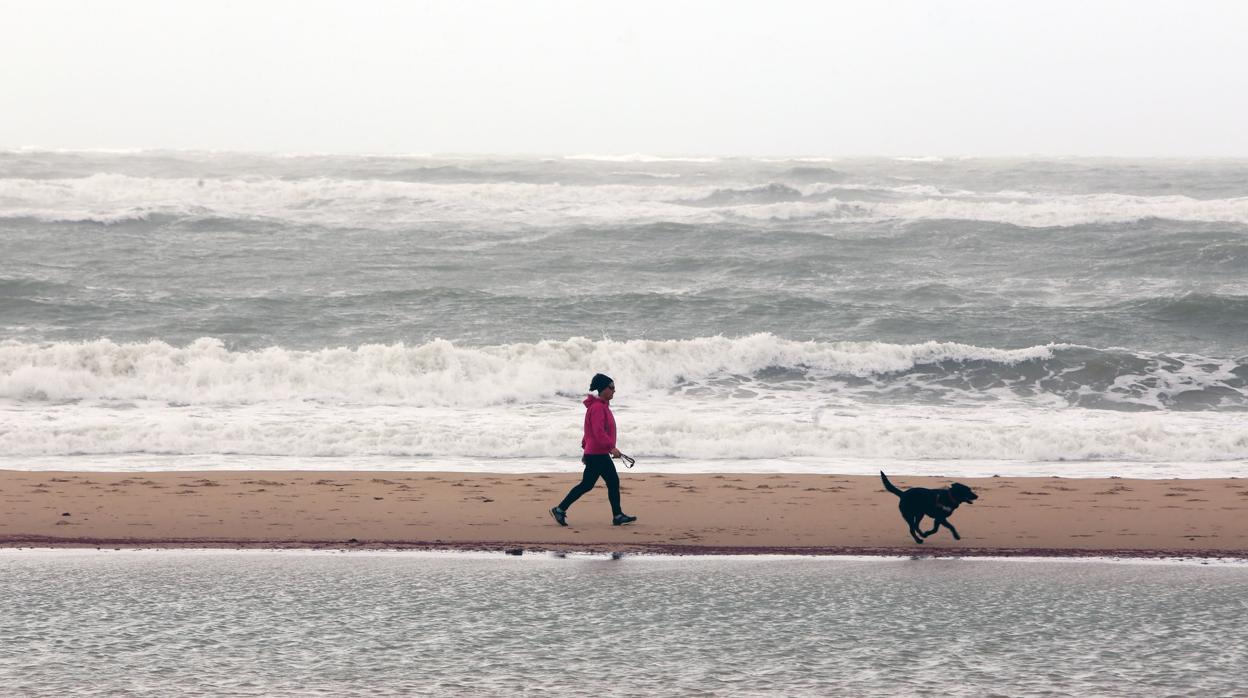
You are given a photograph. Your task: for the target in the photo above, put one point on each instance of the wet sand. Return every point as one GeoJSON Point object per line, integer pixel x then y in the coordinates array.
{"type": "Point", "coordinates": [683, 514]}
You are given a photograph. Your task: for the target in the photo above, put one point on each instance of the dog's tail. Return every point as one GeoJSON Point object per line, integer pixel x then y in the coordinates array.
{"type": "Point", "coordinates": [888, 485]}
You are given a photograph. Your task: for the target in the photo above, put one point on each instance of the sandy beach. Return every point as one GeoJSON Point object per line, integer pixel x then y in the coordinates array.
{"type": "Point", "coordinates": [683, 514]}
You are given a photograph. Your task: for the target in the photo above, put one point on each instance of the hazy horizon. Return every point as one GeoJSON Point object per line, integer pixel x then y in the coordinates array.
{"type": "Point", "coordinates": [621, 157]}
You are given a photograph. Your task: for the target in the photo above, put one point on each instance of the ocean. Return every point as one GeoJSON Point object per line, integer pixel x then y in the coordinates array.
{"type": "Point", "coordinates": [178, 310]}
{"type": "Point", "coordinates": [303, 623]}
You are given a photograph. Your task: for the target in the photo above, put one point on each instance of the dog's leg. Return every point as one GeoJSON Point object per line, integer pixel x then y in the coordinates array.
{"type": "Point", "coordinates": [935, 527]}
{"type": "Point", "coordinates": [914, 527]}
{"type": "Point", "coordinates": [952, 530]}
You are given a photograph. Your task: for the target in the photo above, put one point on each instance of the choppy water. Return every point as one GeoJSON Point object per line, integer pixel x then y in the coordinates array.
{"type": "Point", "coordinates": [423, 310]}
{"type": "Point", "coordinates": [302, 623]}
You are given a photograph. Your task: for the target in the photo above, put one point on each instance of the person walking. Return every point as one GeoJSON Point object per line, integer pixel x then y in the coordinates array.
{"type": "Point", "coordinates": [599, 447]}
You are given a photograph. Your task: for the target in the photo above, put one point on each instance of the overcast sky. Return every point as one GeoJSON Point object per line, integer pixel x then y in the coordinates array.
{"type": "Point", "coordinates": [1125, 78]}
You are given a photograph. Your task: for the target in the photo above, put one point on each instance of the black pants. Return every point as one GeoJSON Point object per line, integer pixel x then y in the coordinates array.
{"type": "Point", "coordinates": [597, 466]}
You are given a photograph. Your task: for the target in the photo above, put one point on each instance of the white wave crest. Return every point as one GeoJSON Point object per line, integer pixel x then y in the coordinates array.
{"type": "Point", "coordinates": [1047, 212]}
{"type": "Point", "coordinates": [350, 203]}
{"type": "Point", "coordinates": [637, 157]}
{"type": "Point", "coordinates": [439, 372]}
{"type": "Point", "coordinates": [388, 204]}
{"type": "Point", "coordinates": [522, 400]}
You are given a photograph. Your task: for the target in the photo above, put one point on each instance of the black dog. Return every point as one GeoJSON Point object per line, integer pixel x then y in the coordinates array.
{"type": "Point", "coordinates": [918, 502]}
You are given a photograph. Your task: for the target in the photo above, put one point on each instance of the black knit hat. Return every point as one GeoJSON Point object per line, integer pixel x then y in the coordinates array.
{"type": "Point", "coordinates": [600, 381]}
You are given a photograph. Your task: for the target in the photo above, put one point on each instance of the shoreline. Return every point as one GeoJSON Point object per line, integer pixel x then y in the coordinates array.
{"type": "Point", "coordinates": [723, 514]}
{"type": "Point", "coordinates": [540, 548]}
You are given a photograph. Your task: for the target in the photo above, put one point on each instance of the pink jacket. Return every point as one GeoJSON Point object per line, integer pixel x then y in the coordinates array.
{"type": "Point", "coordinates": [599, 427]}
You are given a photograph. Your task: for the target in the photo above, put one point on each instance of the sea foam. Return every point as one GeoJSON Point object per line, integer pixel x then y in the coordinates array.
{"type": "Point", "coordinates": [441, 372]}
{"type": "Point", "coordinates": [754, 397]}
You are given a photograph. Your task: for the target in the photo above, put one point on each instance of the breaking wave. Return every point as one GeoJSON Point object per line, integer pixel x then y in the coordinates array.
{"type": "Point", "coordinates": [766, 194]}
{"type": "Point", "coordinates": [440, 373]}
{"type": "Point", "coordinates": [391, 203]}
{"type": "Point", "coordinates": [713, 397]}
{"type": "Point", "coordinates": [637, 157]}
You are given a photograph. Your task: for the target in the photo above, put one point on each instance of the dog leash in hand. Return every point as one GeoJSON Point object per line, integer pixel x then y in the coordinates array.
{"type": "Point", "coordinates": [628, 462]}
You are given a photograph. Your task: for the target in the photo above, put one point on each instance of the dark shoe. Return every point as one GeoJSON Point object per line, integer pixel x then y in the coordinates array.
{"type": "Point", "coordinates": [621, 519]}
{"type": "Point", "coordinates": [559, 515]}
